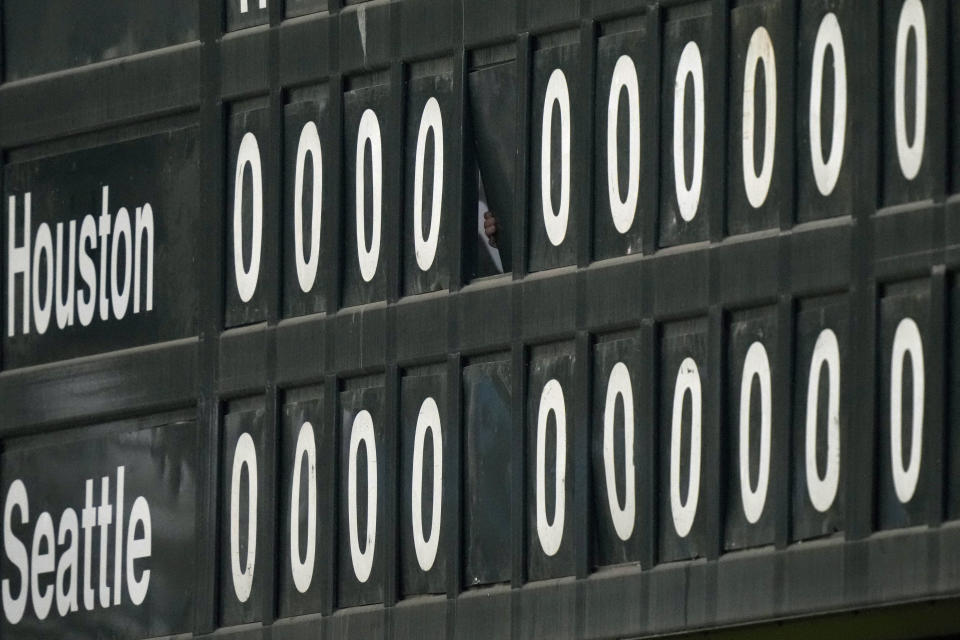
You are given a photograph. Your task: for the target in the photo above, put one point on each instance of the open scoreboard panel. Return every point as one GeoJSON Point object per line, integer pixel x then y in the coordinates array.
{"type": "Point", "coordinates": [256, 381]}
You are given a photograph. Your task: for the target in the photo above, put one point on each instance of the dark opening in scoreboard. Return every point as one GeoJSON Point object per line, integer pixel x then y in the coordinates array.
{"type": "Point", "coordinates": [477, 318]}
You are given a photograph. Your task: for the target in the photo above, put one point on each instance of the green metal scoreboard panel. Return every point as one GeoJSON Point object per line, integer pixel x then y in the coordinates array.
{"type": "Point", "coordinates": [256, 384]}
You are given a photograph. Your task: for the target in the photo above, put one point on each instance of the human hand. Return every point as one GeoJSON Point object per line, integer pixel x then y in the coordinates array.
{"type": "Point", "coordinates": [490, 228]}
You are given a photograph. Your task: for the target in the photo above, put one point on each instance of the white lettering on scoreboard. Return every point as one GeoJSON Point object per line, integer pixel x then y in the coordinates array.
{"type": "Point", "coordinates": [619, 386]}
{"type": "Point", "coordinates": [369, 131]}
{"type": "Point", "coordinates": [425, 248]}
{"type": "Point", "coordinates": [549, 533]}
{"type": "Point", "coordinates": [826, 171]}
{"type": "Point", "coordinates": [106, 291]}
{"type": "Point", "coordinates": [756, 365]}
{"type": "Point", "coordinates": [247, 277]}
{"type": "Point", "coordinates": [691, 65]}
{"type": "Point", "coordinates": [684, 511]}
{"type": "Point", "coordinates": [302, 567]}
{"type": "Point", "coordinates": [912, 20]}
{"type": "Point", "coordinates": [906, 341]}
{"type": "Point", "coordinates": [242, 567]}
{"type": "Point", "coordinates": [308, 259]}
{"type": "Point", "coordinates": [555, 217]}
{"type": "Point", "coordinates": [426, 546]}
{"type": "Point", "coordinates": [759, 53]}
{"type": "Point", "coordinates": [623, 210]}
{"type": "Point", "coordinates": [362, 558]}
{"type": "Point", "coordinates": [96, 589]}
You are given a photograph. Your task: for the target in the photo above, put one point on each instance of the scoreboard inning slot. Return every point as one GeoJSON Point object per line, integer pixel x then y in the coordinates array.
{"type": "Point", "coordinates": [718, 315]}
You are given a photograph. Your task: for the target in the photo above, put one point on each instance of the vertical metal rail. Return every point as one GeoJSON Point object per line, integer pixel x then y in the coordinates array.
{"type": "Point", "coordinates": [210, 281]}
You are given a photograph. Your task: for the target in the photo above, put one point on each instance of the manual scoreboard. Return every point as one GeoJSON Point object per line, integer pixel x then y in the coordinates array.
{"type": "Point", "coordinates": [255, 380]}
